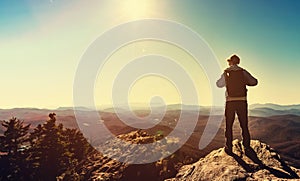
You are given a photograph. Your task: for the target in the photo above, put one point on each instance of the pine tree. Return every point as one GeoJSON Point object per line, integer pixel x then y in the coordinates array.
{"type": "Point", "coordinates": [55, 150]}
{"type": "Point", "coordinates": [46, 153]}
{"type": "Point", "coordinates": [48, 150]}
{"type": "Point", "coordinates": [77, 144]}
{"type": "Point", "coordinates": [15, 136]}
{"type": "Point", "coordinates": [13, 144]}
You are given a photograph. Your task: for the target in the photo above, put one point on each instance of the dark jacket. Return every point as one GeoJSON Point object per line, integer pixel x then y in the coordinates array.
{"type": "Point", "coordinates": [250, 80]}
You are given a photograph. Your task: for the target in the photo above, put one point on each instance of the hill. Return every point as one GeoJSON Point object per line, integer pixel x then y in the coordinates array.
{"type": "Point", "coordinates": [275, 106]}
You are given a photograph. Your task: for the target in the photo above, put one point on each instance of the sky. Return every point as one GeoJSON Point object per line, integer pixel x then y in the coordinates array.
{"type": "Point", "coordinates": [42, 42]}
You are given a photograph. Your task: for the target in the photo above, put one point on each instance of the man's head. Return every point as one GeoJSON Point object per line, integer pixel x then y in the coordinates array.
{"type": "Point", "coordinates": [233, 60]}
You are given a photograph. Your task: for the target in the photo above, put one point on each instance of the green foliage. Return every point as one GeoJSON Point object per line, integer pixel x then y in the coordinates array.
{"type": "Point", "coordinates": [48, 150]}
{"type": "Point", "coordinates": [14, 137]}
{"type": "Point", "coordinates": [44, 154]}
{"type": "Point", "coordinates": [13, 144]}
{"type": "Point", "coordinates": [77, 145]}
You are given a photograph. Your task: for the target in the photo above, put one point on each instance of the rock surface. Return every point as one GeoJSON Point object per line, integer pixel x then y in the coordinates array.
{"type": "Point", "coordinates": [100, 166]}
{"type": "Point", "coordinates": [259, 163]}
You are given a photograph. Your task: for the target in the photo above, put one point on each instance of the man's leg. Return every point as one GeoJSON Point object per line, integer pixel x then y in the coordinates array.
{"type": "Point", "coordinates": [229, 116]}
{"type": "Point", "coordinates": [242, 112]}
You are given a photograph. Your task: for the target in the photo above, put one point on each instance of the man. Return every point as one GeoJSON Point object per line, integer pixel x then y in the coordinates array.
{"type": "Point", "coordinates": [236, 79]}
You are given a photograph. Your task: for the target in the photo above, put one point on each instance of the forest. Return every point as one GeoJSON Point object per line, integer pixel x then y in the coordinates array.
{"type": "Point", "coordinates": [41, 153]}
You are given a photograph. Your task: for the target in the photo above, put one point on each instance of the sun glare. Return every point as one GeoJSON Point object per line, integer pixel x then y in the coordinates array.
{"type": "Point", "coordinates": [136, 8]}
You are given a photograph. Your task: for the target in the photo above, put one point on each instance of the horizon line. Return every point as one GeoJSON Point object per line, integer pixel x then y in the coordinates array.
{"type": "Point", "coordinates": [145, 105]}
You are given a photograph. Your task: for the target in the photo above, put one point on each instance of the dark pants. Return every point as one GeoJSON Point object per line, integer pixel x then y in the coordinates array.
{"type": "Point", "coordinates": [241, 109]}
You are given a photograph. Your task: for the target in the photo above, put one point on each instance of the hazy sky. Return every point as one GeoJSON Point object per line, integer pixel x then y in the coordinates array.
{"type": "Point", "coordinates": [41, 43]}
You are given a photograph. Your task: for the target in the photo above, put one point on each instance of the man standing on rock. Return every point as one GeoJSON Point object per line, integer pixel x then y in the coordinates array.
{"type": "Point", "coordinates": [236, 79]}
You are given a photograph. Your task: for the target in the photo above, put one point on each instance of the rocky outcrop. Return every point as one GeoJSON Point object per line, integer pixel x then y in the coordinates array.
{"type": "Point", "coordinates": [167, 164]}
{"type": "Point", "coordinates": [95, 167]}
{"type": "Point", "coordinates": [259, 163]}
{"type": "Point", "coordinates": [100, 166]}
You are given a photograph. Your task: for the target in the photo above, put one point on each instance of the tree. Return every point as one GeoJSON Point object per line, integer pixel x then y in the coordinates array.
{"type": "Point", "coordinates": [15, 137]}
{"type": "Point", "coordinates": [46, 153]}
{"type": "Point", "coordinates": [13, 144]}
{"type": "Point", "coordinates": [48, 150]}
{"type": "Point", "coordinates": [77, 144]}
{"type": "Point", "coordinates": [54, 149]}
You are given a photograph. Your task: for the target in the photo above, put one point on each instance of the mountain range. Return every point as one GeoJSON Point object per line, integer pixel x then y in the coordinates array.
{"type": "Point", "coordinates": [277, 126]}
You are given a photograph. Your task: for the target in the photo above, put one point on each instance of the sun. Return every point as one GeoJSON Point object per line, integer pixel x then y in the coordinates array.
{"type": "Point", "coordinates": [136, 8]}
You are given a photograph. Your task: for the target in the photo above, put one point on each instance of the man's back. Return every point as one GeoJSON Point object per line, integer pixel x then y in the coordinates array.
{"type": "Point", "coordinates": [248, 78]}
{"type": "Point", "coordinates": [235, 83]}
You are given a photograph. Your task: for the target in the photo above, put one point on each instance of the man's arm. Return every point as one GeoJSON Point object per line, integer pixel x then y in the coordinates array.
{"type": "Point", "coordinates": [221, 82]}
{"type": "Point", "coordinates": [250, 80]}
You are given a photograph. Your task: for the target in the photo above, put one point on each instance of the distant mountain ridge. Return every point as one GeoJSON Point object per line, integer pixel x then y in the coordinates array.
{"type": "Point", "coordinates": [259, 110]}
{"type": "Point", "coordinates": [269, 109]}
{"type": "Point", "coordinates": [168, 106]}
{"type": "Point", "coordinates": [275, 106]}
